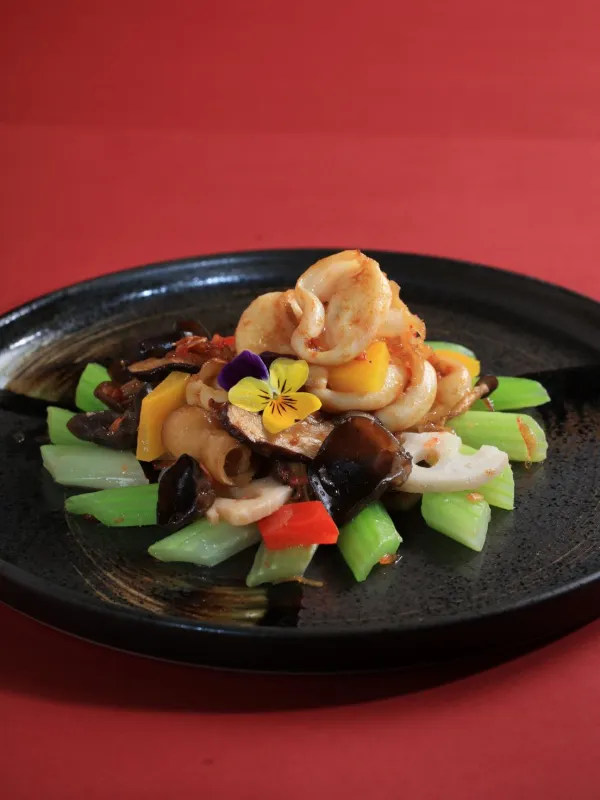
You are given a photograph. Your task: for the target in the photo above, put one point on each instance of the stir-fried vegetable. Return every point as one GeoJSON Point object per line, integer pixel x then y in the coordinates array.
{"type": "Point", "coordinates": [368, 539]}
{"type": "Point", "coordinates": [364, 374]}
{"type": "Point", "coordinates": [92, 467]}
{"type": "Point", "coordinates": [333, 401]}
{"type": "Point", "coordinates": [499, 491]}
{"type": "Point", "coordinates": [156, 407]}
{"type": "Point", "coordinates": [131, 506]}
{"type": "Point", "coordinates": [91, 377]}
{"type": "Point", "coordinates": [205, 544]}
{"type": "Point", "coordinates": [463, 516]}
{"type": "Point", "coordinates": [518, 435]}
{"type": "Point", "coordinates": [298, 524]}
{"type": "Point", "coordinates": [272, 566]}
{"type": "Point", "coordinates": [513, 394]}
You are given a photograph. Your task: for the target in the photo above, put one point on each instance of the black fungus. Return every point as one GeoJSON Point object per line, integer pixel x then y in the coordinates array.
{"type": "Point", "coordinates": [355, 466]}
{"type": "Point", "coordinates": [184, 493]}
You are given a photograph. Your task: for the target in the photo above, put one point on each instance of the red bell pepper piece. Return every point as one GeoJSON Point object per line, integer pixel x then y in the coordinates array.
{"type": "Point", "coordinates": [298, 524]}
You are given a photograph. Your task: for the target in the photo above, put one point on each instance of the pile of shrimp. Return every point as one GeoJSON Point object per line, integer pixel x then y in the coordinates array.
{"type": "Point", "coordinates": [340, 306]}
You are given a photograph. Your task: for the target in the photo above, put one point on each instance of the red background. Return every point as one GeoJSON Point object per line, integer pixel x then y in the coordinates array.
{"type": "Point", "coordinates": [137, 131]}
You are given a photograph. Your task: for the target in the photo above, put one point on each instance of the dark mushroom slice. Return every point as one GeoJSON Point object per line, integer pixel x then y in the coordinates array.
{"type": "Point", "coordinates": [109, 392]}
{"type": "Point", "coordinates": [118, 396]}
{"type": "Point", "coordinates": [107, 428]}
{"type": "Point", "coordinates": [355, 466]}
{"type": "Point", "coordinates": [156, 346]}
{"type": "Point", "coordinates": [184, 493]}
{"type": "Point", "coordinates": [301, 442]}
{"type": "Point", "coordinates": [114, 429]}
{"type": "Point", "coordinates": [155, 370]}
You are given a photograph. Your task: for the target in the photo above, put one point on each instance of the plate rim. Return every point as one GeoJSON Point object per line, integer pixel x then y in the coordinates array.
{"type": "Point", "coordinates": [43, 587]}
{"type": "Point", "coordinates": [40, 301]}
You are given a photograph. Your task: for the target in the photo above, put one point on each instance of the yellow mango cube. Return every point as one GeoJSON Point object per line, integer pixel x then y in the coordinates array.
{"type": "Point", "coordinates": [364, 374]}
{"type": "Point", "coordinates": [156, 407]}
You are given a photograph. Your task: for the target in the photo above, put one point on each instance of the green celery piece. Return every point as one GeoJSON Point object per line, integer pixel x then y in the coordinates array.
{"type": "Point", "coordinates": [91, 377]}
{"type": "Point", "coordinates": [271, 566]}
{"type": "Point", "coordinates": [502, 430]}
{"type": "Point", "coordinates": [131, 506]}
{"type": "Point", "coordinates": [365, 540]}
{"type": "Point", "coordinates": [57, 427]}
{"type": "Point", "coordinates": [204, 544]}
{"type": "Point", "coordinates": [457, 348]}
{"type": "Point", "coordinates": [452, 514]}
{"type": "Point", "coordinates": [92, 467]}
{"type": "Point", "coordinates": [513, 394]}
{"type": "Point", "coordinates": [500, 491]}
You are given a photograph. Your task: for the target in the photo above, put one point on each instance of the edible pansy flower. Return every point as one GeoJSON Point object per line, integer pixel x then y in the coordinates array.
{"type": "Point", "coordinates": [244, 365]}
{"type": "Point", "coordinates": [277, 395]}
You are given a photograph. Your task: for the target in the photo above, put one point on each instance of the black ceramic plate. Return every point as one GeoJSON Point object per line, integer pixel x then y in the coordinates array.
{"type": "Point", "coordinates": [538, 576]}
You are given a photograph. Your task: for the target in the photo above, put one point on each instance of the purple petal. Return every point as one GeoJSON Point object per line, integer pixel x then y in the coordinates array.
{"type": "Point", "coordinates": [244, 365]}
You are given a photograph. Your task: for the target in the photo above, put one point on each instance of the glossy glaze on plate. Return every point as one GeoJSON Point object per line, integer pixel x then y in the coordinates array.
{"type": "Point", "coordinates": [538, 575]}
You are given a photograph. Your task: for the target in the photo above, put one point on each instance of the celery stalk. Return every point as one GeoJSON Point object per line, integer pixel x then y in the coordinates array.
{"type": "Point", "coordinates": [92, 467]}
{"type": "Point", "coordinates": [91, 377]}
{"type": "Point", "coordinates": [365, 540]}
{"type": "Point", "coordinates": [57, 427]}
{"type": "Point", "coordinates": [457, 348]}
{"type": "Point", "coordinates": [519, 435]}
{"type": "Point", "coordinates": [204, 544]}
{"type": "Point", "coordinates": [271, 566]}
{"type": "Point", "coordinates": [454, 515]}
{"type": "Point", "coordinates": [500, 491]}
{"type": "Point", "coordinates": [130, 506]}
{"type": "Point", "coordinates": [513, 394]}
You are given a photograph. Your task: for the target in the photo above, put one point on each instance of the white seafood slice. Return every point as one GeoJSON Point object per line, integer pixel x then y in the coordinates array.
{"type": "Point", "coordinates": [411, 405]}
{"type": "Point", "coordinates": [449, 470]}
{"type": "Point", "coordinates": [266, 325]}
{"type": "Point", "coordinates": [358, 298]}
{"type": "Point", "coordinates": [369, 401]}
{"type": "Point", "coordinates": [253, 502]}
